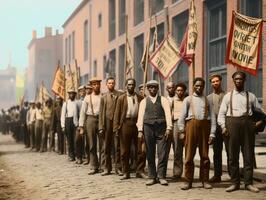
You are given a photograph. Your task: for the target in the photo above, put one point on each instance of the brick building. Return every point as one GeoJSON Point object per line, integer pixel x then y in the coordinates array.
{"type": "Point", "coordinates": [95, 35]}
{"type": "Point", "coordinates": [44, 54]}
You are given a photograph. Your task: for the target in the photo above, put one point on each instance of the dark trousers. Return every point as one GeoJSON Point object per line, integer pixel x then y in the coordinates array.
{"type": "Point", "coordinates": [26, 135]}
{"type": "Point", "coordinates": [241, 137]}
{"type": "Point", "coordinates": [70, 133]}
{"type": "Point", "coordinates": [217, 151]}
{"type": "Point", "coordinates": [32, 134]}
{"type": "Point", "coordinates": [197, 135]}
{"type": "Point", "coordinates": [91, 131]}
{"type": "Point", "coordinates": [60, 138]}
{"type": "Point", "coordinates": [128, 135]}
{"type": "Point", "coordinates": [38, 134]}
{"type": "Point", "coordinates": [141, 155]}
{"type": "Point", "coordinates": [79, 144]}
{"type": "Point", "coordinates": [111, 142]}
{"type": "Point", "coordinates": [154, 136]}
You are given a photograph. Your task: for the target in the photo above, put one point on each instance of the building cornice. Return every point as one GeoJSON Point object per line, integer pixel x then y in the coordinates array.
{"type": "Point", "coordinates": [80, 6]}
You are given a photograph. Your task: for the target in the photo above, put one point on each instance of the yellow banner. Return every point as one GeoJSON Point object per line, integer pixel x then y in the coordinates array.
{"type": "Point", "coordinates": [192, 29]}
{"type": "Point", "coordinates": [58, 83]}
{"type": "Point", "coordinates": [244, 42]}
{"type": "Point", "coordinates": [166, 57]}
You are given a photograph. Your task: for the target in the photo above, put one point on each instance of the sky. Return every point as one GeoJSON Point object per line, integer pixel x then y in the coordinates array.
{"type": "Point", "coordinates": [17, 20]}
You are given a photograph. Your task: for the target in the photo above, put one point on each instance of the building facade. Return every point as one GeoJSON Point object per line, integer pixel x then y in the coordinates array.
{"type": "Point", "coordinates": [95, 35]}
{"type": "Point", "coordinates": [44, 55]}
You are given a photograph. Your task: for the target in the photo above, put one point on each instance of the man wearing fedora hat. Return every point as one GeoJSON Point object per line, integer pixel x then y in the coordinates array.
{"type": "Point", "coordinates": [154, 121]}
{"type": "Point", "coordinates": [69, 121]}
{"type": "Point", "coordinates": [88, 120]}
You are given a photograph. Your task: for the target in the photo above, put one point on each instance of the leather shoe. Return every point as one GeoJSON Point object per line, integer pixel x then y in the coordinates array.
{"type": "Point", "coordinates": [163, 181]}
{"type": "Point", "coordinates": [186, 186]}
{"type": "Point", "coordinates": [86, 163]}
{"type": "Point", "coordinates": [232, 188]}
{"type": "Point", "coordinates": [252, 188]}
{"type": "Point", "coordinates": [151, 182]}
{"type": "Point", "coordinates": [105, 173]}
{"type": "Point", "coordinates": [206, 185]}
{"type": "Point", "coordinates": [92, 172]}
{"type": "Point", "coordinates": [79, 161]}
{"type": "Point", "coordinates": [125, 176]}
{"type": "Point", "coordinates": [141, 175]}
{"type": "Point", "coordinates": [71, 159]}
{"type": "Point", "coordinates": [215, 179]}
{"type": "Point", "coordinates": [119, 172]}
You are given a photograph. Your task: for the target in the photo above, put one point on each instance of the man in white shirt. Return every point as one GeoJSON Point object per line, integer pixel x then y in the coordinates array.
{"type": "Point", "coordinates": [235, 120]}
{"type": "Point", "coordinates": [154, 121]}
{"type": "Point", "coordinates": [31, 118]}
{"type": "Point", "coordinates": [69, 121]}
{"type": "Point", "coordinates": [89, 119]}
{"type": "Point", "coordinates": [38, 126]}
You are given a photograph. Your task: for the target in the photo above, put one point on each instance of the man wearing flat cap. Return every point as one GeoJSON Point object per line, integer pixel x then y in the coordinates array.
{"type": "Point", "coordinates": [154, 121]}
{"type": "Point", "coordinates": [236, 122]}
{"type": "Point", "coordinates": [215, 98]}
{"type": "Point", "coordinates": [88, 120]}
{"type": "Point", "coordinates": [79, 139]}
{"type": "Point", "coordinates": [69, 121]}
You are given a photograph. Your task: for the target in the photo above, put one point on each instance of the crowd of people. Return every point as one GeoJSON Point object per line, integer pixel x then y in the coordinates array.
{"type": "Point", "coordinates": [123, 129]}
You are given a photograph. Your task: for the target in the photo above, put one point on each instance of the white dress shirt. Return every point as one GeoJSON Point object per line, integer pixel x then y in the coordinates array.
{"type": "Point", "coordinates": [69, 109]}
{"type": "Point", "coordinates": [133, 106]}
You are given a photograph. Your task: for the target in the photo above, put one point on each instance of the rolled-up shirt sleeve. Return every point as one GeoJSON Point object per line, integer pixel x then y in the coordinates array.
{"type": "Point", "coordinates": [223, 111]}
{"type": "Point", "coordinates": [142, 107]}
{"type": "Point", "coordinates": [167, 111]}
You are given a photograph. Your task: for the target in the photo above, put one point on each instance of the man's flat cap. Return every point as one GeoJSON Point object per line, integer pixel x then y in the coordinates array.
{"type": "Point", "coordinates": [95, 79]}
{"type": "Point", "coordinates": [81, 87]}
{"type": "Point", "coordinates": [152, 82]}
{"type": "Point", "coordinates": [71, 90]}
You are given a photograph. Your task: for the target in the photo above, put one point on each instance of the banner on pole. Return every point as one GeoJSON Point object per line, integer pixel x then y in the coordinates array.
{"type": "Point", "coordinates": [244, 42]}
{"type": "Point", "coordinates": [166, 57]}
{"type": "Point", "coordinates": [58, 83]}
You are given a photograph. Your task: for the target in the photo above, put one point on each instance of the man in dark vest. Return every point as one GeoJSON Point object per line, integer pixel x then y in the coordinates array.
{"type": "Point", "coordinates": [154, 121]}
{"type": "Point", "coordinates": [235, 120]}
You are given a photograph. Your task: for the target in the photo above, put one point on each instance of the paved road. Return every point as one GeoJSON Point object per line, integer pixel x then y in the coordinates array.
{"type": "Point", "coordinates": [30, 175]}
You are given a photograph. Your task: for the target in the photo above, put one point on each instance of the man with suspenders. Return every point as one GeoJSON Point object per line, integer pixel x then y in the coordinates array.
{"type": "Point", "coordinates": [235, 119]}
{"type": "Point", "coordinates": [198, 115]}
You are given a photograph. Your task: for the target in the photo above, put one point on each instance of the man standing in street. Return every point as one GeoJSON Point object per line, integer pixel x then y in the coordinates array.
{"type": "Point", "coordinates": [235, 120]}
{"type": "Point", "coordinates": [198, 115]}
{"type": "Point", "coordinates": [69, 122]}
{"type": "Point", "coordinates": [106, 115]}
{"type": "Point", "coordinates": [178, 142]}
{"type": "Point", "coordinates": [215, 99]}
{"type": "Point", "coordinates": [125, 118]}
{"type": "Point", "coordinates": [31, 118]}
{"type": "Point", "coordinates": [57, 125]}
{"type": "Point", "coordinates": [154, 121]}
{"type": "Point", "coordinates": [38, 126]}
{"type": "Point", "coordinates": [23, 121]}
{"type": "Point", "coordinates": [89, 119]}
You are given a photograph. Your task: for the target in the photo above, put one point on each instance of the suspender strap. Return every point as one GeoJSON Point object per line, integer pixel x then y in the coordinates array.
{"type": "Point", "coordinates": [247, 103]}
{"type": "Point", "coordinates": [192, 107]}
{"type": "Point", "coordinates": [231, 104]}
{"type": "Point", "coordinates": [92, 111]}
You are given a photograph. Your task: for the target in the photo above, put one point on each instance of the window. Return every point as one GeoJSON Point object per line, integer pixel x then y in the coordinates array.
{"type": "Point", "coordinates": [73, 45]}
{"type": "Point", "coordinates": [138, 51]}
{"type": "Point", "coordinates": [156, 6]}
{"type": "Point", "coordinates": [66, 52]}
{"type": "Point", "coordinates": [94, 68]}
{"type": "Point", "coordinates": [216, 41]}
{"type": "Point", "coordinates": [122, 16]}
{"type": "Point", "coordinates": [179, 25]}
{"type": "Point", "coordinates": [121, 70]}
{"type": "Point", "coordinates": [84, 79]}
{"type": "Point", "coordinates": [253, 8]}
{"type": "Point", "coordinates": [100, 20]}
{"type": "Point", "coordinates": [112, 63]}
{"type": "Point", "coordinates": [105, 66]}
{"type": "Point", "coordinates": [86, 41]}
{"type": "Point", "coordinates": [69, 48]}
{"type": "Point", "coordinates": [138, 11]}
{"type": "Point", "coordinates": [111, 20]}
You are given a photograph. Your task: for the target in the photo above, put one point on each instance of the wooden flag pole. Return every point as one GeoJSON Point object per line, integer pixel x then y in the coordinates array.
{"type": "Point", "coordinates": [126, 24]}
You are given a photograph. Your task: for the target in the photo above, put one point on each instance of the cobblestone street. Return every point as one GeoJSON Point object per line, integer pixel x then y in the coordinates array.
{"type": "Point", "coordinates": [31, 175]}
